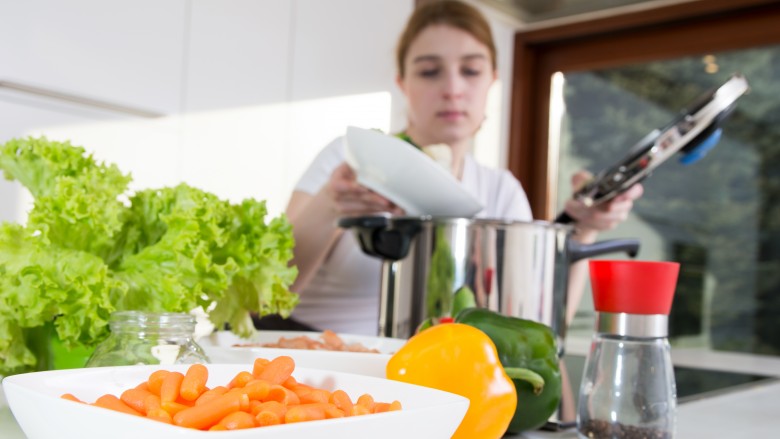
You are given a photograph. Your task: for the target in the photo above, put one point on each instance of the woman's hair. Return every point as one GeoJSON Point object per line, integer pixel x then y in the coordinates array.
{"type": "Point", "coordinates": [448, 12]}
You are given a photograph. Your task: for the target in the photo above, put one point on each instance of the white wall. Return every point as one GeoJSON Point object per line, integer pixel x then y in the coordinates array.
{"type": "Point", "coordinates": [250, 90]}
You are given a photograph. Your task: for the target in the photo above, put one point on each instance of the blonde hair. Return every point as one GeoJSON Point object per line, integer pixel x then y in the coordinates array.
{"type": "Point", "coordinates": [448, 12]}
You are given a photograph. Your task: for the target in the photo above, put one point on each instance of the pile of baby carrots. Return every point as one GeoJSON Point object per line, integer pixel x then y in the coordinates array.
{"type": "Point", "coordinates": [268, 395]}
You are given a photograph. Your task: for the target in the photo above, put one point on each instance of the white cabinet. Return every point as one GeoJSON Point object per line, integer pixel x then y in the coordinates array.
{"type": "Point", "coordinates": [345, 47]}
{"type": "Point", "coordinates": [238, 53]}
{"type": "Point", "coordinates": [251, 89]}
{"type": "Point", "coordinates": [238, 76]}
{"type": "Point", "coordinates": [128, 53]}
{"type": "Point", "coordinates": [269, 83]}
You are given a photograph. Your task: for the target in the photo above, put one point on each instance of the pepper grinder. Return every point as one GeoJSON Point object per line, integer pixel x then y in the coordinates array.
{"type": "Point", "coordinates": [628, 387]}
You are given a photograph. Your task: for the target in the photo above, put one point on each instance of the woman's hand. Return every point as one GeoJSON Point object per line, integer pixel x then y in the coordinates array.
{"type": "Point", "coordinates": [606, 216]}
{"type": "Point", "coordinates": [349, 198]}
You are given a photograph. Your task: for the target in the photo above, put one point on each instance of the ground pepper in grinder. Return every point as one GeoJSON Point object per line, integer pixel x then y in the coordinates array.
{"type": "Point", "coordinates": [628, 388]}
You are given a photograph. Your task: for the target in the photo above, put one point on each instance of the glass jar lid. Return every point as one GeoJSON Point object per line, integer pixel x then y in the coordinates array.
{"type": "Point", "coordinates": [139, 322]}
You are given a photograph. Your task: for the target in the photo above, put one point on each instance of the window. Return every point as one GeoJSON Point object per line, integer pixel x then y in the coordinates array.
{"type": "Point", "coordinates": [625, 76]}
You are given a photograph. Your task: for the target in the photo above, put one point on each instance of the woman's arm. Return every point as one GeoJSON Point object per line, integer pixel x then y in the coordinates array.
{"type": "Point", "coordinates": [315, 232]}
{"type": "Point", "coordinates": [314, 218]}
{"type": "Point", "coordinates": [589, 222]}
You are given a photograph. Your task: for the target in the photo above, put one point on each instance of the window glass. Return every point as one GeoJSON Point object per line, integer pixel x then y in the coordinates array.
{"type": "Point", "coordinates": [718, 217]}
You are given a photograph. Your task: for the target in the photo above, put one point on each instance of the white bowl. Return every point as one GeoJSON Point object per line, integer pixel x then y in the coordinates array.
{"type": "Point", "coordinates": [35, 401]}
{"type": "Point", "coordinates": [406, 176]}
{"type": "Point", "coordinates": [220, 348]}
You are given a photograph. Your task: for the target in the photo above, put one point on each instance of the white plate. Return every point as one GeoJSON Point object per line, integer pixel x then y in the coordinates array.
{"type": "Point", "coordinates": [406, 176]}
{"type": "Point", "coordinates": [219, 347]}
{"type": "Point", "coordinates": [35, 401]}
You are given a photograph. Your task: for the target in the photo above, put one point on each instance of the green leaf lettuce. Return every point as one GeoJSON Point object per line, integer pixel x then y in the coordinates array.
{"type": "Point", "coordinates": [91, 247]}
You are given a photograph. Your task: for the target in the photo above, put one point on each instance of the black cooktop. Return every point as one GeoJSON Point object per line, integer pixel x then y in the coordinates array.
{"type": "Point", "coordinates": [692, 384]}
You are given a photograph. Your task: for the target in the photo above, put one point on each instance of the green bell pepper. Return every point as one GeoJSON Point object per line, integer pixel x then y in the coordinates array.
{"type": "Point", "coordinates": [523, 344]}
{"type": "Point", "coordinates": [462, 299]}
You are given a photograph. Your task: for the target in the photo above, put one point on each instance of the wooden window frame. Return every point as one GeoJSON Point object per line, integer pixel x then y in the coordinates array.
{"type": "Point", "coordinates": [684, 29]}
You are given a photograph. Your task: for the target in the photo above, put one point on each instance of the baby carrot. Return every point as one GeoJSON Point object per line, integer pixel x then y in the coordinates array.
{"type": "Point", "coordinates": [152, 402]}
{"type": "Point", "coordinates": [258, 366]}
{"type": "Point", "coordinates": [278, 370]}
{"type": "Point", "coordinates": [238, 421]}
{"type": "Point", "coordinates": [266, 418]}
{"type": "Point", "coordinates": [254, 406]}
{"type": "Point", "coordinates": [299, 390]}
{"type": "Point", "coordinates": [194, 382]}
{"type": "Point", "coordinates": [205, 415]}
{"type": "Point", "coordinates": [155, 381]}
{"type": "Point", "coordinates": [70, 397]}
{"type": "Point", "coordinates": [366, 401]}
{"type": "Point", "coordinates": [210, 394]}
{"type": "Point", "coordinates": [160, 415]}
{"type": "Point", "coordinates": [304, 412]}
{"type": "Point", "coordinates": [359, 410]}
{"type": "Point", "coordinates": [282, 395]}
{"type": "Point", "coordinates": [332, 412]}
{"type": "Point", "coordinates": [171, 385]}
{"type": "Point", "coordinates": [381, 407]}
{"type": "Point", "coordinates": [173, 407]}
{"type": "Point", "coordinates": [143, 386]}
{"type": "Point", "coordinates": [342, 401]}
{"type": "Point", "coordinates": [113, 403]}
{"type": "Point", "coordinates": [183, 401]}
{"type": "Point", "coordinates": [135, 398]}
{"type": "Point", "coordinates": [315, 395]}
{"type": "Point", "coordinates": [291, 383]}
{"type": "Point", "coordinates": [271, 406]}
{"type": "Point", "coordinates": [241, 379]}
{"type": "Point", "coordinates": [256, 390]}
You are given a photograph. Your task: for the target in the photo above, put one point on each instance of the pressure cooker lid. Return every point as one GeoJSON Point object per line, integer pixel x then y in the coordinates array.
{"type": "Point", "coordinates": [692, 133]}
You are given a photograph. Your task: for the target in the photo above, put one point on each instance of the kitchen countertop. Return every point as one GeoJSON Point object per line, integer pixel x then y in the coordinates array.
{"type": "Point", "coordinates": [749, 410]}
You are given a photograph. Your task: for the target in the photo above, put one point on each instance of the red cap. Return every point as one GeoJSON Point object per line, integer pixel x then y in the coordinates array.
{"type": "Point", "coordinates": [633, 287]}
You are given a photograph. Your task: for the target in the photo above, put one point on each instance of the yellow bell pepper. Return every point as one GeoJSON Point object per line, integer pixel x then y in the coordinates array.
{"type": "Point", "coordinates": [460, 359]}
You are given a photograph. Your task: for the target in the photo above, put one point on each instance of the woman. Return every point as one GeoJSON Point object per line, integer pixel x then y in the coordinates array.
{"type": "Point", "coordinates": [446, 62]}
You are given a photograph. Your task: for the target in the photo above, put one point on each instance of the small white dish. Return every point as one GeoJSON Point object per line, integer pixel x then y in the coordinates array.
{"type": "Point", "coordinates": [221, 347]}
{"type": "Point", "coordinates": [406, 176]}
{"type": "Point", "coordinates": [35, 401]}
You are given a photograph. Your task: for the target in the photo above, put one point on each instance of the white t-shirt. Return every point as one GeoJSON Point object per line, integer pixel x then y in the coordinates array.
{"type": "Point", "coordinates": [343, 295]}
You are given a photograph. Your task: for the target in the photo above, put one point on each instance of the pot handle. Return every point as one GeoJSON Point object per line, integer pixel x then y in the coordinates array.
{"type": "Point", "coordinates": [579, 251]}
{"type": "Point", "coordinates": [563, 218]}
{"type": "Point", "coordinates": [378, 237]}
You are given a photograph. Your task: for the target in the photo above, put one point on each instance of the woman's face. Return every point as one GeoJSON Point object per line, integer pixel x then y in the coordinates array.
{"type": "Point", "coordinates": [447, 77]}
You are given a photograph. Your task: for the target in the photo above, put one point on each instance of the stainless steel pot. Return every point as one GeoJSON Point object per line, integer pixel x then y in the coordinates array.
{"type": "Point", "coordinates": [516, 268]}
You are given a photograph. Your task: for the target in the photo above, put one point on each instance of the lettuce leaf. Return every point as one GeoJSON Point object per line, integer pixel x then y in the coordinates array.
{"type": "Point", "coordinates": [77, 200]}
{"type": "Point", "coordinates": [262, 252]}
{"type": "Point", "coordinates": [186, 248]}
{"type": "Point", "coordinates": [41, 284]}
{"type": "Point", "coordinates": [167, 256]}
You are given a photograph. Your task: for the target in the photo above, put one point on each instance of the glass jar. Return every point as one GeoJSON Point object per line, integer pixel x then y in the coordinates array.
{"type": "Point", "coordinates": [148, 338]}
{"type": "Point", "coordinates": [628, 388]}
